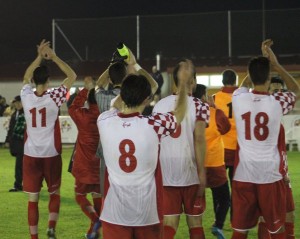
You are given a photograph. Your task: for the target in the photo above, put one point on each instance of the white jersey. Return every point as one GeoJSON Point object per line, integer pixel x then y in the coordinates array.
{"type": "Point", "coordinates": [258, 118]}
{"type": "Point", "coordinates": [41, 112]}
{"type": "Point", "coordinates": [177, 154]}
{"type": "Point", "coordinates": [130, 148]}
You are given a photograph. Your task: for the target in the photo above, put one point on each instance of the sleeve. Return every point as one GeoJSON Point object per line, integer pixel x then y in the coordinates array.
{"type": "Point", "coordinates": [240, 91]}
{"type": "Point", "coordinates": [286, 99]}
{"type": "Point", "coordinates": [163, 123]}
{"type": "Point", "coordinates": [76, 107]}
{"type": "Point", "coordinates": [58, 95]}
{"type": "Point", "coordinates": [27, 89]}
{"type": "Point", "coordinates": [202, 111]}
{"type": "Point", "coordinates": [222, 122]}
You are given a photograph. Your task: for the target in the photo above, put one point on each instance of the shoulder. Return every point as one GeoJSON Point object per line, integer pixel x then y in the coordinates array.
{"type": "Point", "coordinates": [107, 114]}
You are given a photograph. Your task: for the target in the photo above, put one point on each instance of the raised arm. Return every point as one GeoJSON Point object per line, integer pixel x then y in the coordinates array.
{"type": "Point", "coordinates": [49, 54]}
{"type": "Point", "coordinates": [289, 80]}
{"type": "Point", "coordinates": [132, 63]}
{"type": "Point", "coordinates": [29, 71]}
{"type": "Point", "coordinates": [103, 79]}
{"type": "Point", "coordinates": [185, 78]}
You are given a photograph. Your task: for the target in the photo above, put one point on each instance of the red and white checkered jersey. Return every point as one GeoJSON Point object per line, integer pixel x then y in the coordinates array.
{"type": "Point", "coordinates": [177, 152]}
{"type": "Point", "coordinates": [258, 118]}
{"type": "Point", "coordinates": [130, 148]}
{"type": "Point", "coordinates": [41, 112]}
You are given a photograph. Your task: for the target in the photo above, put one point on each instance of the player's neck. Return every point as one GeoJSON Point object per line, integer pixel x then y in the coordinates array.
{"type": "Point", "coordinates": [131, 110]}
{"type": "Point", "coordinates": [261, 88]}
{"type": "Point", "coordinates": [40, 89]}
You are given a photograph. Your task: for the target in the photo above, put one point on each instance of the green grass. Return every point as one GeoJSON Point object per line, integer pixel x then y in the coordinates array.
{"type": "Point", "coordinates": [73, 224]}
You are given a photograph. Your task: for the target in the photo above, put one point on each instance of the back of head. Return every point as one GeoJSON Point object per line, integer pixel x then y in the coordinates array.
{"type": "Point", "coordinates": [259, 70]}
{"type": "Point", "coordinates": [200, 91]}
{"type": "Point", "coordinates": [135, 89]}
{"type": "Point", "coordinates": [117, 72]}
{"type": "Point", "coordinates": [40, 75]}
{"type": "Point", "coordinates": [175, 72]}
{"type": "Point", "coordinates": [91, 96]}
{"type": "Point", "coordinates": [277, 80]}
{"type": "Point", "coordinates": [229, 78]}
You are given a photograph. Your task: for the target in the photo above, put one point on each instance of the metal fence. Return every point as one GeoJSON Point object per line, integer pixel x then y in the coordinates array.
{"type": "Point", "coordinates": [235, 34]}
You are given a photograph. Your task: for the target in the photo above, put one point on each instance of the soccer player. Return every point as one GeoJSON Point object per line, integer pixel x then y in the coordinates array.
{"type": "Point", "coordinates": [86, 166]}
{"type": "Point", "coordinates": [258, 187]}
{"type": "Point", "coordinates": [133, 198]}
{"type": "Point", "coordinates": [42, 149]}
{"type": "Point", "coordinates": [182, 159]}
{"type": "Point", "coordinates": [277, 85]}
{"type": "Point", "coordinates": [223, 101]}
{"type": "Point", "coordinates": [216, 176]}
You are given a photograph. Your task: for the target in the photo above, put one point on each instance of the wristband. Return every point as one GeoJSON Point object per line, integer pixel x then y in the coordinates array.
{"type": "Point", "coordinates": [137, 67]}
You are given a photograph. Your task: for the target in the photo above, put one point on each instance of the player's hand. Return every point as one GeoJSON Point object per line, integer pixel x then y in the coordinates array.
{"type": "Point", "coordinates": [266, 44]}
{"type": "Point", "coordinates": [131, 58]}
{"type": "Point", "coordinates": [48, 53]}
{"type": "Point", "coordinates": [41, 46]}
{"type": "Point", "coordinates": [186, 72]}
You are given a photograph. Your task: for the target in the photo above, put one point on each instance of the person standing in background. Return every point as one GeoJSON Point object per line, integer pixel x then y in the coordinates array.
{"type": "Point", "coordinates": [216, 176]}
{"type": "Point", "coordinates": [15, 142]}
{"type": "Point", "coordinates": [86, 166]}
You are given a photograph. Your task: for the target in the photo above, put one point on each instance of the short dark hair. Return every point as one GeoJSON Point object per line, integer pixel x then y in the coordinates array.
{"type": "Point", "coordinates": [91, 96]}
{"type": "Point", "coordinates": [134, 90]}
{"type": "Point", "coordinates": [200, 91]}
{"type": "Point", "coordinates": [176, 69]}
{"type": "Point", "coordinates": [259, 70]}
{"type": "Point", "coordinates": [117, 72]}
{"type": "Point", "coordinates": [229, 77]}
{"type": "Point", "coordinates": [276, 79]}
{"type": "Point", "coordinates": [40, 75]}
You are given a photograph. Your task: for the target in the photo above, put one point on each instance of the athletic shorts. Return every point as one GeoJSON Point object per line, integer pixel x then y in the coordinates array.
{"type": "Point", "coordinates": [183, 199]}
{"type": "Point", "coordinates": [290, 205]}
{"type": "Point", "coordinates": [82, 188]}
{"type": "Point", "coordinates": [251, 200]}
{"type": "Point", "coordinates": [113, 231]}
{"type": "Point", "coordinates": [35, 170]}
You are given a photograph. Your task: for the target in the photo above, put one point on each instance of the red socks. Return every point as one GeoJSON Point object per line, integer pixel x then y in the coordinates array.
{"type": "Point", "coordinates": [197, 233]}
{"type": "Point", "coordinates": [33, 219]}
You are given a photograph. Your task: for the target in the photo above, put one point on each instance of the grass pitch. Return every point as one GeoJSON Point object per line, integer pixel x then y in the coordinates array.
{"type": "Point", "coordinates": [73, 223]}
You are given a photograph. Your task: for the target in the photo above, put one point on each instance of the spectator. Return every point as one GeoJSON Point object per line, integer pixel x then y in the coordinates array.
{"type": "Point", "coordinates": [3, 105]}
{"type": "Point", "coordinates": [216, 176]}
{"type": "Point", "coordinates": [15, 141]}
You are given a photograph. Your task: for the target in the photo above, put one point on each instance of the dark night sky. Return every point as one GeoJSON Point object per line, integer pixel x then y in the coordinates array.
{"type": "Point", "coordinates": [24, 23]}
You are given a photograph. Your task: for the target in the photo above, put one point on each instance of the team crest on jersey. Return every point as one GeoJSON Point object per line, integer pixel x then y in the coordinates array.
{"type": "Point", "coordinates": [126, 124]}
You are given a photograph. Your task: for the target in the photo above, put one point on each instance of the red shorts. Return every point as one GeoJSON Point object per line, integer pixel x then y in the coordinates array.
{"type": "Point", "coordinates": [82, 188]}
{"type": "Point", "coordinates": [113, 231]}
{"type": "Point", "coordinates": [35, 170]}
{"type": "Point", "coordinates": [290, 205]}
{"type": "Point", "coordinates": [183, 199]}
{"type": "Point", "coordinates": [251, 200]}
